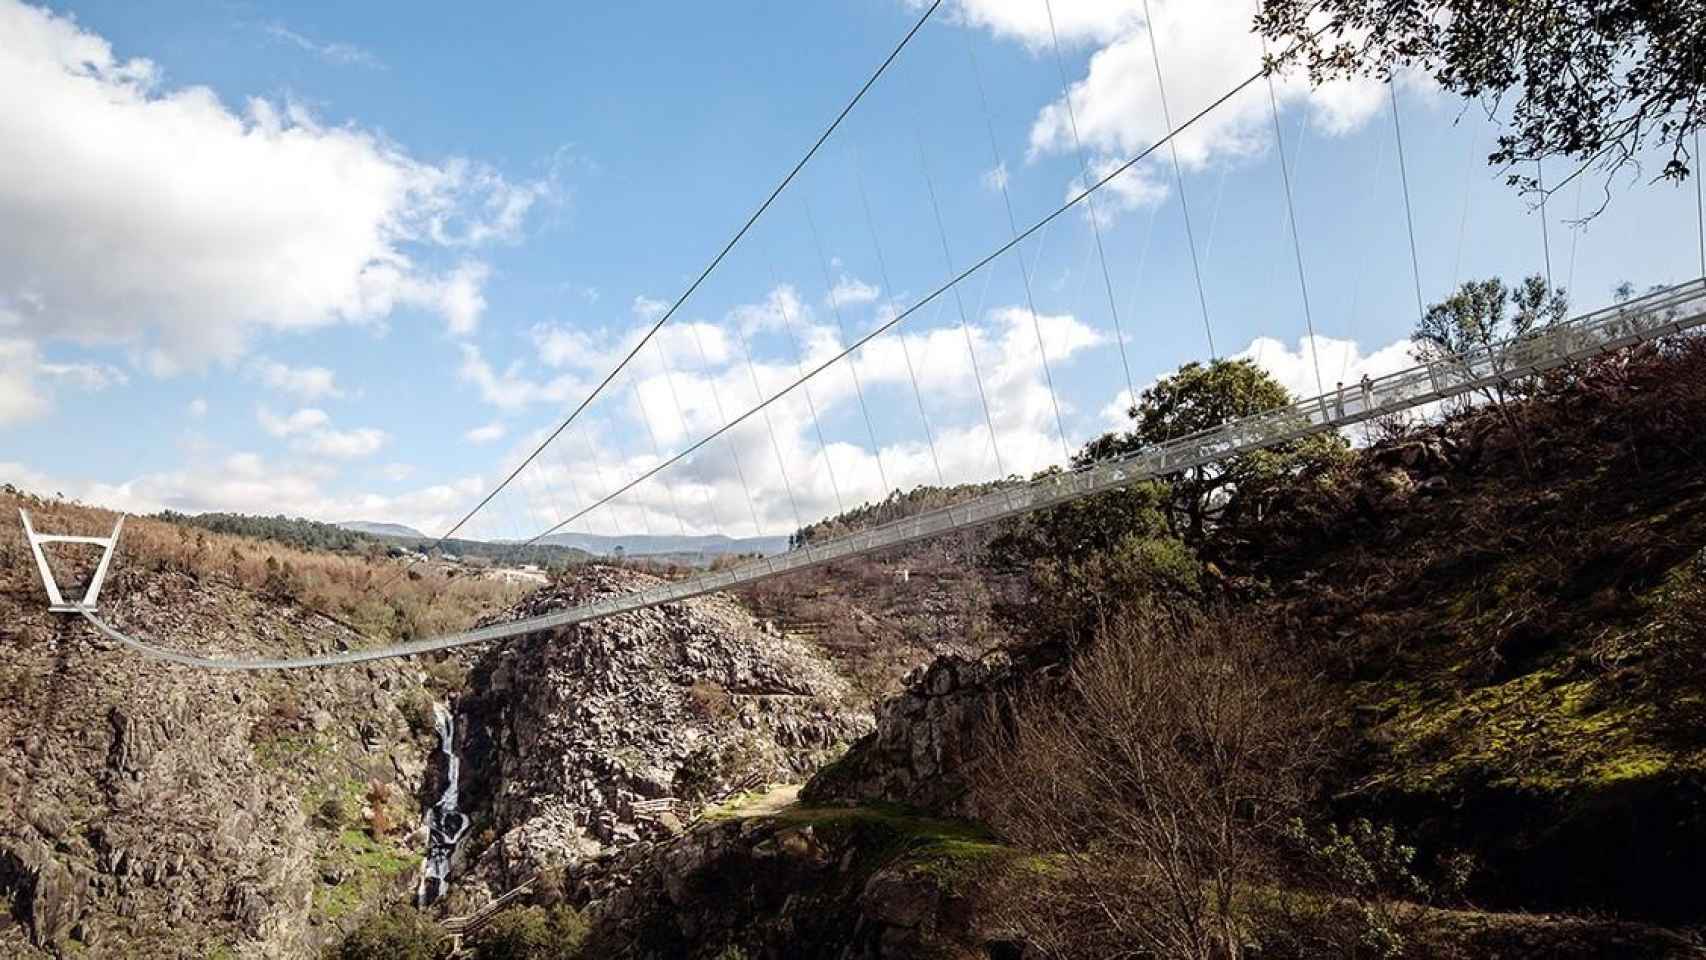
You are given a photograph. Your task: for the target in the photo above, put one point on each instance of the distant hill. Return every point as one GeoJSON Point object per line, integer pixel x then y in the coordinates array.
{"type": "Point", "coordinates": [638, 545]}
{"type": "Point", "coordinates": [382, 529]}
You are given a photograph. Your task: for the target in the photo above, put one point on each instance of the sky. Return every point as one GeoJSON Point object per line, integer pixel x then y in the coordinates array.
{"type": "Point", "coordinates": [356, 261]}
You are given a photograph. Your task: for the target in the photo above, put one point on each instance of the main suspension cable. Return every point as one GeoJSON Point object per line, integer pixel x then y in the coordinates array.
{"type": "Point", "coordinates": [888, 294]}
{"type": "Point", "coordinates": [1095, 220]}
{"type": "Point", "coordinates": [1000, 174]}
{"type": "Point", "coordinates": [852, 358]}
{"type": "Point", "coordinates": [1296, 243]}
{"type": "Point", "coordinates": [1409, 215]}
{"type": "Point", "coordinates": [715, 262]}
{"type": "Point", "coordinates": [1179, 173]}
{"type": "Point", "coordinates": [952, 282]}
{"type": "Point", "coordinates": [965, 325]}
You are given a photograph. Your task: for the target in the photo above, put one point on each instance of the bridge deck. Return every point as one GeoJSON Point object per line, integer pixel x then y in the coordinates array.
{"type": "Point", "coordinates": [1662, 313]}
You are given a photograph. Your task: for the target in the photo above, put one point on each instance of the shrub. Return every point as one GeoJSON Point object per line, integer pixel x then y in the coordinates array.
{"type": "Point", "coordinates": [333, 812]}
{"type": "Point", "coordinates": [1154, 782]}
{"type": "Point", "coordinates": [416, 708]}
{"type": "Point", "coordinates": [531, 933]}
{"type": "Point", "coordinates": [709, 700]}
{"type": "Point", "coordinates": [401, 933]}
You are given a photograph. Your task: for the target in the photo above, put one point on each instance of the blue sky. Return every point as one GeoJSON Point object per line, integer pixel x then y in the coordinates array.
{"type": "Point", "coordinates": [350, 261]}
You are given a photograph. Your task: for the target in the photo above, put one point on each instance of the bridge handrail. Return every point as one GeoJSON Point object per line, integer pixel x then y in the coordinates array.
{"type": "Point", "coordinates": [1668, 311]}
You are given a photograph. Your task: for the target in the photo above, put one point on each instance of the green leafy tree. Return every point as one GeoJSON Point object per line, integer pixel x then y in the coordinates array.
{"type": "Point", "coordinates": [1200, 397]}
{"type": "Point", "coordinates": [1483, 313]}
{"type": "Point", "coordinates": [1595, 81]}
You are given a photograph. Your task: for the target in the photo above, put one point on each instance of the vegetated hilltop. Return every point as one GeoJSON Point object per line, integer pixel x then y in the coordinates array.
{"type": "Point", "coordinates": [882, 615]}
{"type": "Point", "coordinates": [156, 810]}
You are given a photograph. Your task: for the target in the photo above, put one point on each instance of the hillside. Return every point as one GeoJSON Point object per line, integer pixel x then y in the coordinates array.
{"type": "Point", "coordinates": [642, 545]}
{"type": "Point", "coordinates": [161, 811]}
{"type": "Point", "coordinates": [396, 530]}
{"type": "Point", "coordinates": [1458, 667]}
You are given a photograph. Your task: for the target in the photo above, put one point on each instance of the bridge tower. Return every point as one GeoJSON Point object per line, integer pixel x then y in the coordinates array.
{"type": "Point", "coordinates": [56, 602]}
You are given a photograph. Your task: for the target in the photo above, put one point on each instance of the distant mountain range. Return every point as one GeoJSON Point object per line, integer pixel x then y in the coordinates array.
{"type": "Point", "coordinates": [634, 545]}
{"type": "Point", "coordinates": [382, 529]}
{"type": "Point", "coordinates": [637, 545]}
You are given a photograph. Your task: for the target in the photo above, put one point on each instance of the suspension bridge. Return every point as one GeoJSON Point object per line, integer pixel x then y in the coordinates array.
{"type": "Point", "coordinates": [1659, 314]}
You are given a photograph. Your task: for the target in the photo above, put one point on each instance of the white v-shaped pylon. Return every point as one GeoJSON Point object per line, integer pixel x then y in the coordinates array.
{"type": "Point", "coordinates": [56, 603]}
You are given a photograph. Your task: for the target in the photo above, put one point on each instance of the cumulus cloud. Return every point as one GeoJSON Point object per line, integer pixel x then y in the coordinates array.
{"type": "Point", "coordinates": [1341, 361]}
{"type": "Point", "coordinates": [345, 444]}
{"type": "Point", "coordinates": [851, 291]}
{"type": "Point", "coordinates": [511, 389]}
{"type": "Point", "coordinates": [487, 433]}
{"type": "Point", "coordinates": [20, 396]}
{"type": "Point", "coordinates": [307, 383]}
{"type": "Point", "coordinates": [1207, 47]}
{"type": "Point", "coordinates": [89, 376]}
{"type": "Point", "coordinates": [777, 458]}
{"type": "Point", "coordinates": [162, 219]}
{"type": "Point", "coordinates": [247, 482]}
{"type": "Point", "coordinates": [310, 431]}
{"type": "Point", "coordinates": [301, 421]}
{"type": "Point", "coordinates": [27, 380]}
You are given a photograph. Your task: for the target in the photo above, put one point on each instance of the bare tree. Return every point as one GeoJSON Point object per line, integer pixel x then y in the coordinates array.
{"type": "Point", "coordinates": [1152, 789]}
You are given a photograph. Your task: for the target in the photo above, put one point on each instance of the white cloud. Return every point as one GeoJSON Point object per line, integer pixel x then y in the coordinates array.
{"type": "Point", "coordinates": [511, 389]}
{"type": "Point", "coordinates": [345, 444]}
{"type": "Point", "coordinates": [20, 399]}
{"type": "Point", "coordinates": [706, 492]}
{"type": "Point", "coordinates": [397, 472]}
{"type": "Point", "coordinates": [343, 54]}
{"type": "Point", "coordinates": [649, 310]}
{"type": "Point", "coordinates": [487, 433]}
{"type": "Point", "coordinates": [89, 376]}
{"type": "Point", "coordinates": [1074, 20]}
{"type": "Point", "coordinates": [1207, 47]}
{"type": "Point", "coordinates": [301, 421]}
{"type": "Point", "coordinates": [308, 383]}
{"type": "Point", "coordinates": [198, 408]}
{"type": "Point", "coordinates": [26, 379]}
{"type": "Point", "coordinates": [1341, 361]}
{"type": "Point", "coordinates": [247, 482]}
{"type": "Point", "coordinates": [212, 223]}
{"type": "Point", "coordinates": [850, 291]}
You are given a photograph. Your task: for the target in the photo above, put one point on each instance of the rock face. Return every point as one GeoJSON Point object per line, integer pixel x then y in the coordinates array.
{"type": "Point", "coordinates": [839, 883]}
{"type": "Point", "coordinates": [156, 810]}
{"type": "Point", "coordinates": [927, 738]}
{"type": "Point", "coordinates": [568, 730]}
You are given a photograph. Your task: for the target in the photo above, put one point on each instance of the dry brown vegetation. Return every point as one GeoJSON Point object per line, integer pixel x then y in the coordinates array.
{"type": "Point", "coordinates": [876, 625]}
{"type": "Point", "coordinates": [377, 597]}
{"type": "Point", "coordinates": [1497, 619]}
{"type": "Point", "coordinates": [1154, 786]}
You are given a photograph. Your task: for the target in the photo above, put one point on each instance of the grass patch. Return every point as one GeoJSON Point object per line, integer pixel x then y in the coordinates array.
{"type": "Point", "coordinates": [367, 866]}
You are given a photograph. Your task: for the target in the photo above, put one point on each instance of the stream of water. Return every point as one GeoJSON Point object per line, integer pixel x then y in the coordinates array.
{"type": "Point", "coordinates": [445, 823]}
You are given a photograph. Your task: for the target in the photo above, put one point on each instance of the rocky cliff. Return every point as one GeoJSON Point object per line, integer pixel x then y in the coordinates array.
{"type": "Point", "coordinates": [585, 739]}
{"type": "Point", "coordinates": [154, 810]}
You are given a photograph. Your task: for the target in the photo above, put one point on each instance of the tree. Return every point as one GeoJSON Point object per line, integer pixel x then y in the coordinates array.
{"type": "Point", "coordinates": [1595, 81]}
{"type": "Point", "coordinates": [1090, 561]}
{"type": "Point", "coordinates": [1199, 397]}
{"type": "Point", "coordinates": [1153, 785]}
{"type": "Point", "coordinates": [1483, 313]}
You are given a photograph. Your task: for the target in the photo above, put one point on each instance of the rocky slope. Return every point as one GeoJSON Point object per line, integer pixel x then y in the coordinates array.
{"type": "Point", "coordinates": [154, 810]}
{"type": "Point", "coordinates": [582, 740]}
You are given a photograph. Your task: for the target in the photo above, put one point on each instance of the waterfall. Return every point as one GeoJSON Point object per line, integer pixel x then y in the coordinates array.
{"type": "Point", "coordinates": [445, 823]}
